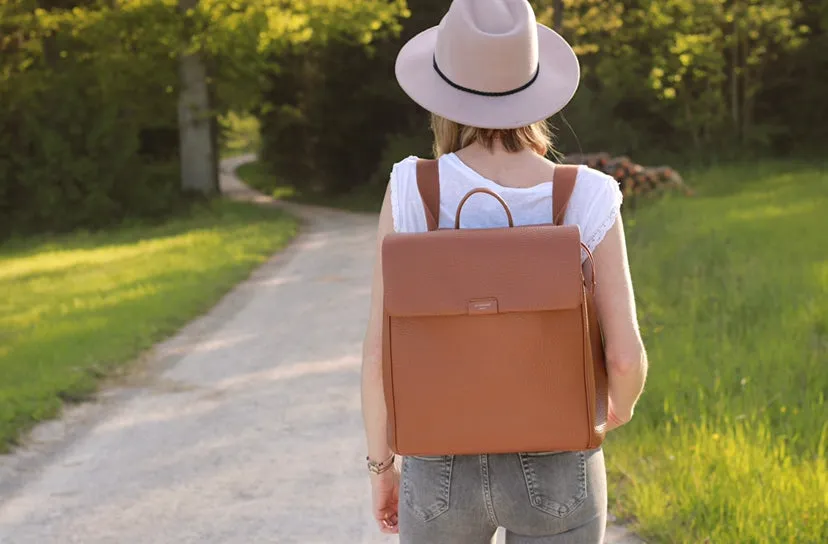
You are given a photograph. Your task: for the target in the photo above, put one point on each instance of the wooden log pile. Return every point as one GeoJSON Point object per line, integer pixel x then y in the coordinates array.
{"type": "Point", "coordinates": [632, 178]}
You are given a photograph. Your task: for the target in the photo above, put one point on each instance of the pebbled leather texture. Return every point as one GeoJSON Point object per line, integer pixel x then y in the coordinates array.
{"type": "Point", "coordinates": [440, 272]}
{"type": "Point", "coordinates": [483, 352]}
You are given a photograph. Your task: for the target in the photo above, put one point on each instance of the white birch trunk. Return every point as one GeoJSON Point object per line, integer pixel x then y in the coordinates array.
{"type": "Point", "coordinates": [195, 127]}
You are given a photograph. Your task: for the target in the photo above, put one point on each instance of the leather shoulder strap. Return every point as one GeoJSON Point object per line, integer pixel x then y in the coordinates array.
{"type": "Point", "coordinates": [428, 183]}
{"type": "Point", "coordinates": [563, 183]}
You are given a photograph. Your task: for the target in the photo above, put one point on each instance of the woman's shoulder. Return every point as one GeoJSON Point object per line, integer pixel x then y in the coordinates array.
{"type": "Point", "coordinates": [405, 165]}
{"type": "Point", "coordinates": [403, 174]}
{"type": "Point", "coordinates": [592, 179]}
{"type": "Point", "coordinates": [403, 191]}
{"type": "Point", "coordinates": [594, 205]}
{"type": "Point", "coordinates": [595, 187]}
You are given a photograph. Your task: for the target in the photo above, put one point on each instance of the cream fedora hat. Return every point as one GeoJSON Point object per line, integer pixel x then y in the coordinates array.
{"type": "Point", "coordinates": [489, 64]}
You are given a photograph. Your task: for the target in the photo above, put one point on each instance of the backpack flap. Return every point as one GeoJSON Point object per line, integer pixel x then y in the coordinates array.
{"type": "Point", "coordinates": [482, 271]}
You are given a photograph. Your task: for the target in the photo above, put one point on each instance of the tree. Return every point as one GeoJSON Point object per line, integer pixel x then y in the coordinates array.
{"type": "Point", "coordinates": [92, 93]}
{"type": "Point", "coordinates": [558, 7]}
{"type": "Point", "coordinates": [198, 154]}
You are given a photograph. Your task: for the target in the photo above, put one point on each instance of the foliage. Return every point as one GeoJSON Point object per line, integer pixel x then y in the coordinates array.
{"type": "Point", "coordinates": [311, 136]}
{"type": "Point", "coordinates": [397, 147]}
{"type": "Point", "coordinates": [329, 115]}
{"type": "Point", "coordinates": [86, 131]}
{"type": "Point", "coordinates": [728, 441]}
{"type": "Point", "coordinates": [88, 122]}
{"type": "Point", "coordinates": [248, 40]}
{"type": "Point", "coordinates": [682, 75]}
{"type": "Point", "coordinates": [794, 97]}
{"type": "Point", "coordinates": [77, 307]}
{"type": "Point", "coordinates": [239, 134]}
{"type": "Point", "coordinates": [662, 80]}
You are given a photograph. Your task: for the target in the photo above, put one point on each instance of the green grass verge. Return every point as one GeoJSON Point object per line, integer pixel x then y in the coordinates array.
{"type": "Point", "coordinates": [75, 308]}
{"type": "Point", "coordinates": [728, 441]}
{"type": "Point", "coordinates": [362, 199]}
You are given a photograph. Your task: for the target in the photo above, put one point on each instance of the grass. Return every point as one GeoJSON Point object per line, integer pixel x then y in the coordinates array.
{"type": "Point", "coordinates": [362, 199]}
{"type": "Point", "coordinates": [76, 308]}
{"type": "Point", "coordinates": [728, 442]}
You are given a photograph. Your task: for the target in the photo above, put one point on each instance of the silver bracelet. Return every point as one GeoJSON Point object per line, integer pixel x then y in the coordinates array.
{"type": "Point", "coordinates": [378, 468]}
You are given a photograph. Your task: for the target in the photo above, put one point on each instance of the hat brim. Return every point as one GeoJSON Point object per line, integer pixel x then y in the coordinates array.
{"type": "Point", "coordinates": [557, 81]}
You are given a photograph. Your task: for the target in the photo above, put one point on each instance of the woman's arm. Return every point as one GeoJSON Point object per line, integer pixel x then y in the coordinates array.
{"type": "Point", "coordinates": [614, 299]}
{"type": "Point", "coordinates": [373, 399]}
{"type": "Point", "coordinates": [384, 486]}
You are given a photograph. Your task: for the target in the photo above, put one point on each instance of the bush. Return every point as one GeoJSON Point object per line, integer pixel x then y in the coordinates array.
{"type": "Point", "coordinates": [88, 134]}
{"type": "Point", "coordinates": [335, 111]}
{"type": "Point", "coordinates": [398, 147]}
{"type": "Point", "coordinates": [335, 106]}
{"type": "Point", "coordinates": [88, 103]}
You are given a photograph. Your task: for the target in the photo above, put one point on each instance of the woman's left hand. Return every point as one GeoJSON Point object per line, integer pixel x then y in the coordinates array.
{"type": "Point", "coordinates": [385, 491]}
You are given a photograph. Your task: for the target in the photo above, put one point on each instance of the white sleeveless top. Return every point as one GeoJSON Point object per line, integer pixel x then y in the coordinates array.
{"type": "Point", "coordinates": [594, 205]}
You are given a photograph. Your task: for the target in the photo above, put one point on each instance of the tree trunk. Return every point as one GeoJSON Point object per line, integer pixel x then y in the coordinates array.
{"type": "Point", "coordinates": [734, 73]}
{"type": "Point", "coordinates": [195, 126]}
{"type": "Point", "coordinates": [747, 91]}
{"type": "Point", "coordinates": [557, 15]}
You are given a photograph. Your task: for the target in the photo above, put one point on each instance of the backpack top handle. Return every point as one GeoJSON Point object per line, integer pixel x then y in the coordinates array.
{"type": "Point", "coordinates": [484, 191]}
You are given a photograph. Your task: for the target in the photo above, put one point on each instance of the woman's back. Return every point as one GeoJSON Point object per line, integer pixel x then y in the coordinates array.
{"type": "Point", "coordinates": [520, 179]}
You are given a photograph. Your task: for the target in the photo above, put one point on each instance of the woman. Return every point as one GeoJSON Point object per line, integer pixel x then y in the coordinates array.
{"type": "Point", "coordinates": [491, 76]}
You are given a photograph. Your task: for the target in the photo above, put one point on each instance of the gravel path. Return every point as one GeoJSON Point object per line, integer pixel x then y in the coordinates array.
{"type": "Point", "coordinates": [243, 428]}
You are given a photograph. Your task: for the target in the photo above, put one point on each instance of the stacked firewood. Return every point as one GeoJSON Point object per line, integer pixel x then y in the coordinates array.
{"type": "Point", "coordinates": [632, 178]}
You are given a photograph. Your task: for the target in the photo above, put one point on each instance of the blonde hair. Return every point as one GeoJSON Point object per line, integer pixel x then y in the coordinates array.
{"type": "Point", "coordinates": [450, 137]}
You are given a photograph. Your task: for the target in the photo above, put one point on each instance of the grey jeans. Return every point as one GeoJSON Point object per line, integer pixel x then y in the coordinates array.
{"type": "Point", "coordinates": [546, 498]}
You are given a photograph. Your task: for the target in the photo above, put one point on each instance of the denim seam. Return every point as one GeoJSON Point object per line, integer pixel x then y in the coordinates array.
{"type": "Point", "coordinates": [487, 492]}
{"type": "Point", "coordinates": [449, 467]}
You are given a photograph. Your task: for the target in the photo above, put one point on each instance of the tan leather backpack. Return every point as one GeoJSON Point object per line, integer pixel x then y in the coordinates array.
{"type": "Point", "coordinates": [491, 343]}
